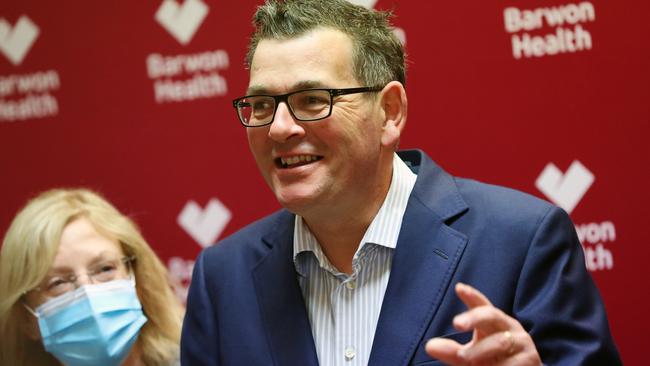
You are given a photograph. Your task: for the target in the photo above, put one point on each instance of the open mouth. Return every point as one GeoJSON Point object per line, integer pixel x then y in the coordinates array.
{"type": "Point", "coordinates": [294, 161]}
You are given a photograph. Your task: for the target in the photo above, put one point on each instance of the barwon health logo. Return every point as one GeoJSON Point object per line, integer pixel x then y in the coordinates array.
{"type": "Point", "coordinates": [365, 3]}
{"type": "Point", "coordinates": [204, 225]}
{"type": "Point", "coordinates": [182, 21]}
{"type": "Point", "coordinates": [565, 190]}
{"type": "Point", "coordinates": [186, 77]}
{"type": "Point", "coordinates": [15, 42]}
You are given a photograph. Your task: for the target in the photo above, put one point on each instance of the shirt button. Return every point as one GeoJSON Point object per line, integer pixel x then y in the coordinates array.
{"type": "Point", "coordinates": [351, 285]}
{"type": "Point", "coordinates": [349, 353]}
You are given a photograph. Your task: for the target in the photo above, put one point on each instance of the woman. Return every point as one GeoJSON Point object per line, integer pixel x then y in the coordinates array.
{"type": "Point", "coordinates": [73, 274]}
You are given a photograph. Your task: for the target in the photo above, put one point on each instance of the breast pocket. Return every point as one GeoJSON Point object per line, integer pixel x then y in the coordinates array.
{"type": "Point", "coordinates": [422, 359]}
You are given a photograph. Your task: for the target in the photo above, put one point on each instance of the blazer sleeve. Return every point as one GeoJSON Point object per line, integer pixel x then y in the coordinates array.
{"type": "Point", "coordinates": [200, 335]}
{"type": "Point", "coordinates": [557, 300]}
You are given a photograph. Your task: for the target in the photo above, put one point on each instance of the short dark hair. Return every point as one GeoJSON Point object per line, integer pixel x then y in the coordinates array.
{"type": "Point", "coordinates": [378, 56]}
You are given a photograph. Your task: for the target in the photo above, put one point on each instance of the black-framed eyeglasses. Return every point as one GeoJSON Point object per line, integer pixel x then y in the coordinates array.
{"type": "Point", "coordinates": [304, 105]}
{"type": "Point", "coordinates": [102, 271]}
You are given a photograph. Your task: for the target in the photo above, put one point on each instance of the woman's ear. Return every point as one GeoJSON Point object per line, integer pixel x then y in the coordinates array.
{"type": "Point", "coordinates": [30, 326]}
{"type": "Point", "coordinates": [32, 332]}
{"type": "Point", "coordinates": [394, 105]}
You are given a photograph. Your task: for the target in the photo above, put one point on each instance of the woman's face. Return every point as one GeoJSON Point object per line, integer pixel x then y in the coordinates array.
{"type": "Point", "coordinates": [84, 256]}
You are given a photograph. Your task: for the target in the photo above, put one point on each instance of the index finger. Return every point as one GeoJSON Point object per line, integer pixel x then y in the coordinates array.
{"type": "Point", "coordinates": [471, 296]}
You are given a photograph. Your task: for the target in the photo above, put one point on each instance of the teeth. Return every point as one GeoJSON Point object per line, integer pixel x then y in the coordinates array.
{"type": "Point", "coordinates": [298, 159]}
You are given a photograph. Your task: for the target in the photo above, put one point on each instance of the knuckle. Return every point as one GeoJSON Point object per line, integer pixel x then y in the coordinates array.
{"type": "Point", "coordinates": [504, 343]}
{"type": "Point", "coordinates": [485, 313]}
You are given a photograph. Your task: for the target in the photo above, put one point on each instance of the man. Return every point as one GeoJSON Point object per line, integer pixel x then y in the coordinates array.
{"type": "Point", "coordinates": [370, 258]}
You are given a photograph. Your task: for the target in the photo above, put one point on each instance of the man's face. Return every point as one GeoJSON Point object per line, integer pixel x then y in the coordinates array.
{"type": "Point", "coordinates": [333, 164]}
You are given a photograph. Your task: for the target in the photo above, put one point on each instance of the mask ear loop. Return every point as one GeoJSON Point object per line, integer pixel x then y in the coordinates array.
{"type": "Point", "coordinates": [29, 309]}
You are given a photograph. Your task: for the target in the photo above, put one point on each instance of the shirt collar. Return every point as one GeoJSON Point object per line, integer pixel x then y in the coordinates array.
{"type": "Point", "coordinates": [383, 230]}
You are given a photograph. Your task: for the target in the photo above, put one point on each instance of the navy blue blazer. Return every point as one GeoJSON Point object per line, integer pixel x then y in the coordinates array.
{"type": "Point", "coordinates": [245, 306]}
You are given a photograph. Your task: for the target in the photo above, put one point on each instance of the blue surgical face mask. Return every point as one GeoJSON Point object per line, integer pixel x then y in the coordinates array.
{"type": "Point", "coordinates": [96, 324]}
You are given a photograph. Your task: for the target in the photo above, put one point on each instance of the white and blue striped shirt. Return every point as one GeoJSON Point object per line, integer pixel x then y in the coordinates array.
{"type": "Point", "coordinates": [344, 309]}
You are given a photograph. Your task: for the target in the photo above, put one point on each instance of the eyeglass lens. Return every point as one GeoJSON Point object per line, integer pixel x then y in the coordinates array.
{"type": "Point", "coordinates": [306, 105]}
{"type": "Point", "coordinates": [103, 271]}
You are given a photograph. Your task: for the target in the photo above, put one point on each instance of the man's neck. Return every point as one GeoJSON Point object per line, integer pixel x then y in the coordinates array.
{"type": "Point", "coordinates": [339, 242]}
{"type": "Point", "coordinates": [339, 232]}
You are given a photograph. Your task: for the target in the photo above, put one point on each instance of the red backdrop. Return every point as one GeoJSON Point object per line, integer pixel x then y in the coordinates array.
{"type": "Point", "coordinates": [133, 99]}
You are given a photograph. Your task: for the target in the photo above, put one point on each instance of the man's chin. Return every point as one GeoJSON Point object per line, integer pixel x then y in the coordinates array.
{"type": "Point", "coordinates": [298, 204]}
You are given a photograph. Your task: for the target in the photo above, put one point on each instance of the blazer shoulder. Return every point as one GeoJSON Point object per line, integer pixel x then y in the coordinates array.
{"type": "Point", "coordinates": [452, 197]}
{"type": "Point", "coordinates": [499, 200]}
{"type": "Point", "coordinates": [502, 210]}
{"type": "Point", "coordinates": [247, 243]}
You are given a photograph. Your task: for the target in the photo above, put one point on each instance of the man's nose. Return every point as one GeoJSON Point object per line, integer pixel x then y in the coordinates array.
{"type": "Point", "coordinates": [284, 126]}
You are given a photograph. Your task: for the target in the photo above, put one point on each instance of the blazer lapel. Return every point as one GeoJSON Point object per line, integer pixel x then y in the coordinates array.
{"type": "Point", "coordinates": [426, 256]}
{"type": "Point", "coordinates": [280, 299]}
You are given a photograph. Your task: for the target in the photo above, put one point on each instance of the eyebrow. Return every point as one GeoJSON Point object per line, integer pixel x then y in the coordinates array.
{"type": "Point", "coordinates": [305, 84]}
{"type": "Point", "coordinates": [101, 256]}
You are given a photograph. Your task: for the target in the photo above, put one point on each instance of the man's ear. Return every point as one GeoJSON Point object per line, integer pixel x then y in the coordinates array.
{"type": "Point", "coordinates": [394, 105]}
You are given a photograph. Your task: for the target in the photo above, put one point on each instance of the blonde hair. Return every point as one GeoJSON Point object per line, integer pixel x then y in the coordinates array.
{"type": "Point", "coordinates": [29, 248]}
